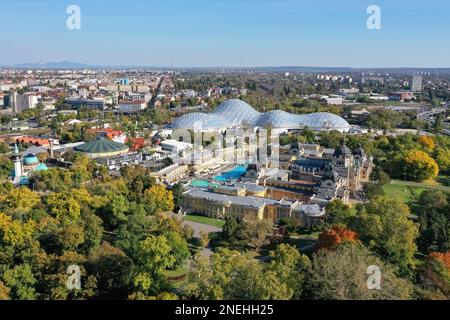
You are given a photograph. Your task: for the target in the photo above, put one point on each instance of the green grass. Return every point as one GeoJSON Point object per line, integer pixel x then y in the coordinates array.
{"type": "Point", "coordinates": [205, 220]}
{"type": "Point", "coordinates": [402, 192]}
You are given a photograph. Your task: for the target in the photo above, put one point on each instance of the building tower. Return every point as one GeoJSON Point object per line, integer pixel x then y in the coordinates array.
{"type": "Point", "coordinates": [17, 159]}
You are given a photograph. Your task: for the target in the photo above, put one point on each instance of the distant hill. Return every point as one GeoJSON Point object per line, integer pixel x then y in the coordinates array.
{"type": "Point", "coordinates": [293, 69]}
{"type": "Point", "coordinates": [52, 65]}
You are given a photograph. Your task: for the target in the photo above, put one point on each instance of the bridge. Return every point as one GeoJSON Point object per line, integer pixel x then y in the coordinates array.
{"type": "Point", "coordinates": [427, 114]}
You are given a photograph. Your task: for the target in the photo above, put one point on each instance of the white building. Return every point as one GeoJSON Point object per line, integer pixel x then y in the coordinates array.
{"type": "Point", "coordinates": [20, 102]}
{"type": "Point", "coordinates": [131, 105]}
{"type": "Point", "coordinates": [175, 147]}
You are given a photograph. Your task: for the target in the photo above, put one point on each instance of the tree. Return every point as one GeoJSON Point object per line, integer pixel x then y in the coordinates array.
{"type": "Point", "coordinates": [115, 211]}
{"type": "Point", "coordinates": [290, 267]}
{"type": "Point", "coordinates": [254, 233]}
{"type": "Point", "coordinates": [4, 148]}
{"type": "Point", "coordinates": [154, 254]}
{"type": "Point", "coordinates": [337, 212]}
{"type": "Point", "coordinates": [112, 269]}
{"type": "Point", "coordinates": [335, 236]}
{"type": "Point", "coordinates": [419, 166]}
{"type": "Point", "coordinates": [442, 157]}
{"type": "Point", "coordinates": [230, 228]}
{"type": "Point", "coordinates": [4, 292]}
{"type": "Point", "coordinates": [373, 190]}
{"type": "Point", "coordinates": [179, 248]}
{"type": "Point", "coordinates": [177, 192]}
{"type": "Point", "coordinates": [434, 276]}
{"type": "Point", "coordinates": [158, 199]}
{"type": "Point", "coordinates": [432, 209]}
{"type": "Point", "coordinates": [427, 143]}
{"type": "Point", "coordinates": [341, 274]}
{"type": "Point", "coordinates": [204, 239]}
{"type": "Point", "coordinates": [21, 281]}
{"type": "Point", "coordinates": [230, 275]}
{"type": "Point", "coordinates": [385, 226]}
{"type": "Point", "coordinates": [42, 156]}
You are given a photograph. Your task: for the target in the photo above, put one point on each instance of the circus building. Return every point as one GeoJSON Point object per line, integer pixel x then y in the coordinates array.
{"type": "Point", "coordinates": [102, 148]}
{"type": "Point", "coordinates": [237, 113]}
{"type": "Point", "coordinates": [25, 166]}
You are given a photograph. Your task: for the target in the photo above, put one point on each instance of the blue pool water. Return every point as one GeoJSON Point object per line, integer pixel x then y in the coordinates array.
{"type": "Point", "coordinates": [233, 174]}
{"type": "Point", "coordinates": [202, 184]}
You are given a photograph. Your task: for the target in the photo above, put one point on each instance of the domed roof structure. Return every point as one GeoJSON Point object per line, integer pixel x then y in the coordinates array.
{"type": "Point", "coordinates": [205, 120]}
{"type": "Point", "coordinates": [41, 167]}
{"type": "Point", "coordinates": [30, 160]}
{"type": "Point", "coordinates": [235, 112]}
{"type": "Point", "coordinates": [102, 148]}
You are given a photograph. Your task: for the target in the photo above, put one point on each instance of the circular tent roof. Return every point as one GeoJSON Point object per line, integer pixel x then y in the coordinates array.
{"type": "Point", "coordinates": [235, 112]}
{"type": "Point", "coordinates": [102, 147]}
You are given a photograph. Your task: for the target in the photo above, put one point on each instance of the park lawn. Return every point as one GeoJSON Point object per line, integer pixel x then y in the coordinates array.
{"type": "Point", "coordinates": [205, 220]}
{"type": "Point", "coordinates": [402, 191]}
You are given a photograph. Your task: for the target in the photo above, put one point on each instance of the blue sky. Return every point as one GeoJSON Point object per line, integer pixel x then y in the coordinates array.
{"type": "Point", "coordinates": [228, 33]}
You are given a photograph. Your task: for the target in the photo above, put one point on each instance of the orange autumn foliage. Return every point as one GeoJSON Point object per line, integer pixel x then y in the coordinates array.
{"type": "Point", "coordinates": [336, 235]}
{"type": "Point", "coordinates": [444, 258]}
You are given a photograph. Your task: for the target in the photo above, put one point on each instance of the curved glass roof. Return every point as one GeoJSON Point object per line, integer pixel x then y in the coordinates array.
{"type": "Point", "coordinates": [235, 112]}
{"type": "Point", "coordinates": [205, 120]}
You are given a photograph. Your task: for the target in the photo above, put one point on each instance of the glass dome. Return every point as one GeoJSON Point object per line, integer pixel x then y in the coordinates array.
{"type": "Point", "coordinates": [204, 120]}
{"type": "Point", "coordinates": [235, 112]}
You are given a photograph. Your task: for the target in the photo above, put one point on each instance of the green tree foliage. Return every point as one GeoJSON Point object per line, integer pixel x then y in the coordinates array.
{"type": "Point", "coordinates": [432, 209]}
{"type": "Point", "coordinates": [337, 212]}
{"type": "Point", "coordinates": [341, 274]}
{"type": "Point", "coordinates": [384, 225]}
{"type": "Point", "coordinates": [230, 275]}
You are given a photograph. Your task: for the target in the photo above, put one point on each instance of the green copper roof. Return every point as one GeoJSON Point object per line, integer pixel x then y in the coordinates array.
{"type": "Point", "coordinates": [102, 146]}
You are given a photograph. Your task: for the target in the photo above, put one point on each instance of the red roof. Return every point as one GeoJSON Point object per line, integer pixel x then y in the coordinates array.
{"type": "Point", "coordinates": [33, 140]}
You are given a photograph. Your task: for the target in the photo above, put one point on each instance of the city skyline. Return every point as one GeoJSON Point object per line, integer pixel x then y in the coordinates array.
{"type": "Point", "coordinates": [228, 34]}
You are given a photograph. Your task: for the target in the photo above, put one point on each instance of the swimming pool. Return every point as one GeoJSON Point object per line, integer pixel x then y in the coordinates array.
{"type": "Point", "coordinates": [202, 184]}
{"type": "Point", "coordinates": [233, 174]}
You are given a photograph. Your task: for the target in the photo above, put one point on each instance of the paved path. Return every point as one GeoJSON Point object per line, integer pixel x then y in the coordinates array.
{"type": "Point", "coordinates": [198, 227]}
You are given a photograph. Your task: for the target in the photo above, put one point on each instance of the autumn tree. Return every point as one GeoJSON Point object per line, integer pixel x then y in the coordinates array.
{"type": "Point", "coordinates": [158, 199]}
{"type": "Point", "coordinates": [427, 143]}
{"type": "Point", "coordinates": [336, 235]}
{"type": "Point", "coordinates": [419, 166]}
{"type": "Point", "coordinates": [434, 276]}
{"type": "Point", "coordinates": [442, 156]}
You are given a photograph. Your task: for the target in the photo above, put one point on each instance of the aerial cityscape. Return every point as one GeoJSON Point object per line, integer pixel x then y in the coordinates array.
{"type": "Point", "coordinates": [144, 178]}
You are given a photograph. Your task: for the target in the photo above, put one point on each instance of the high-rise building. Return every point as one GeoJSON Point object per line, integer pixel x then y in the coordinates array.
{"type": "Point", "coordinates": [416, 84]}
{"type": "Point", "coordinates": [20, 102]}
